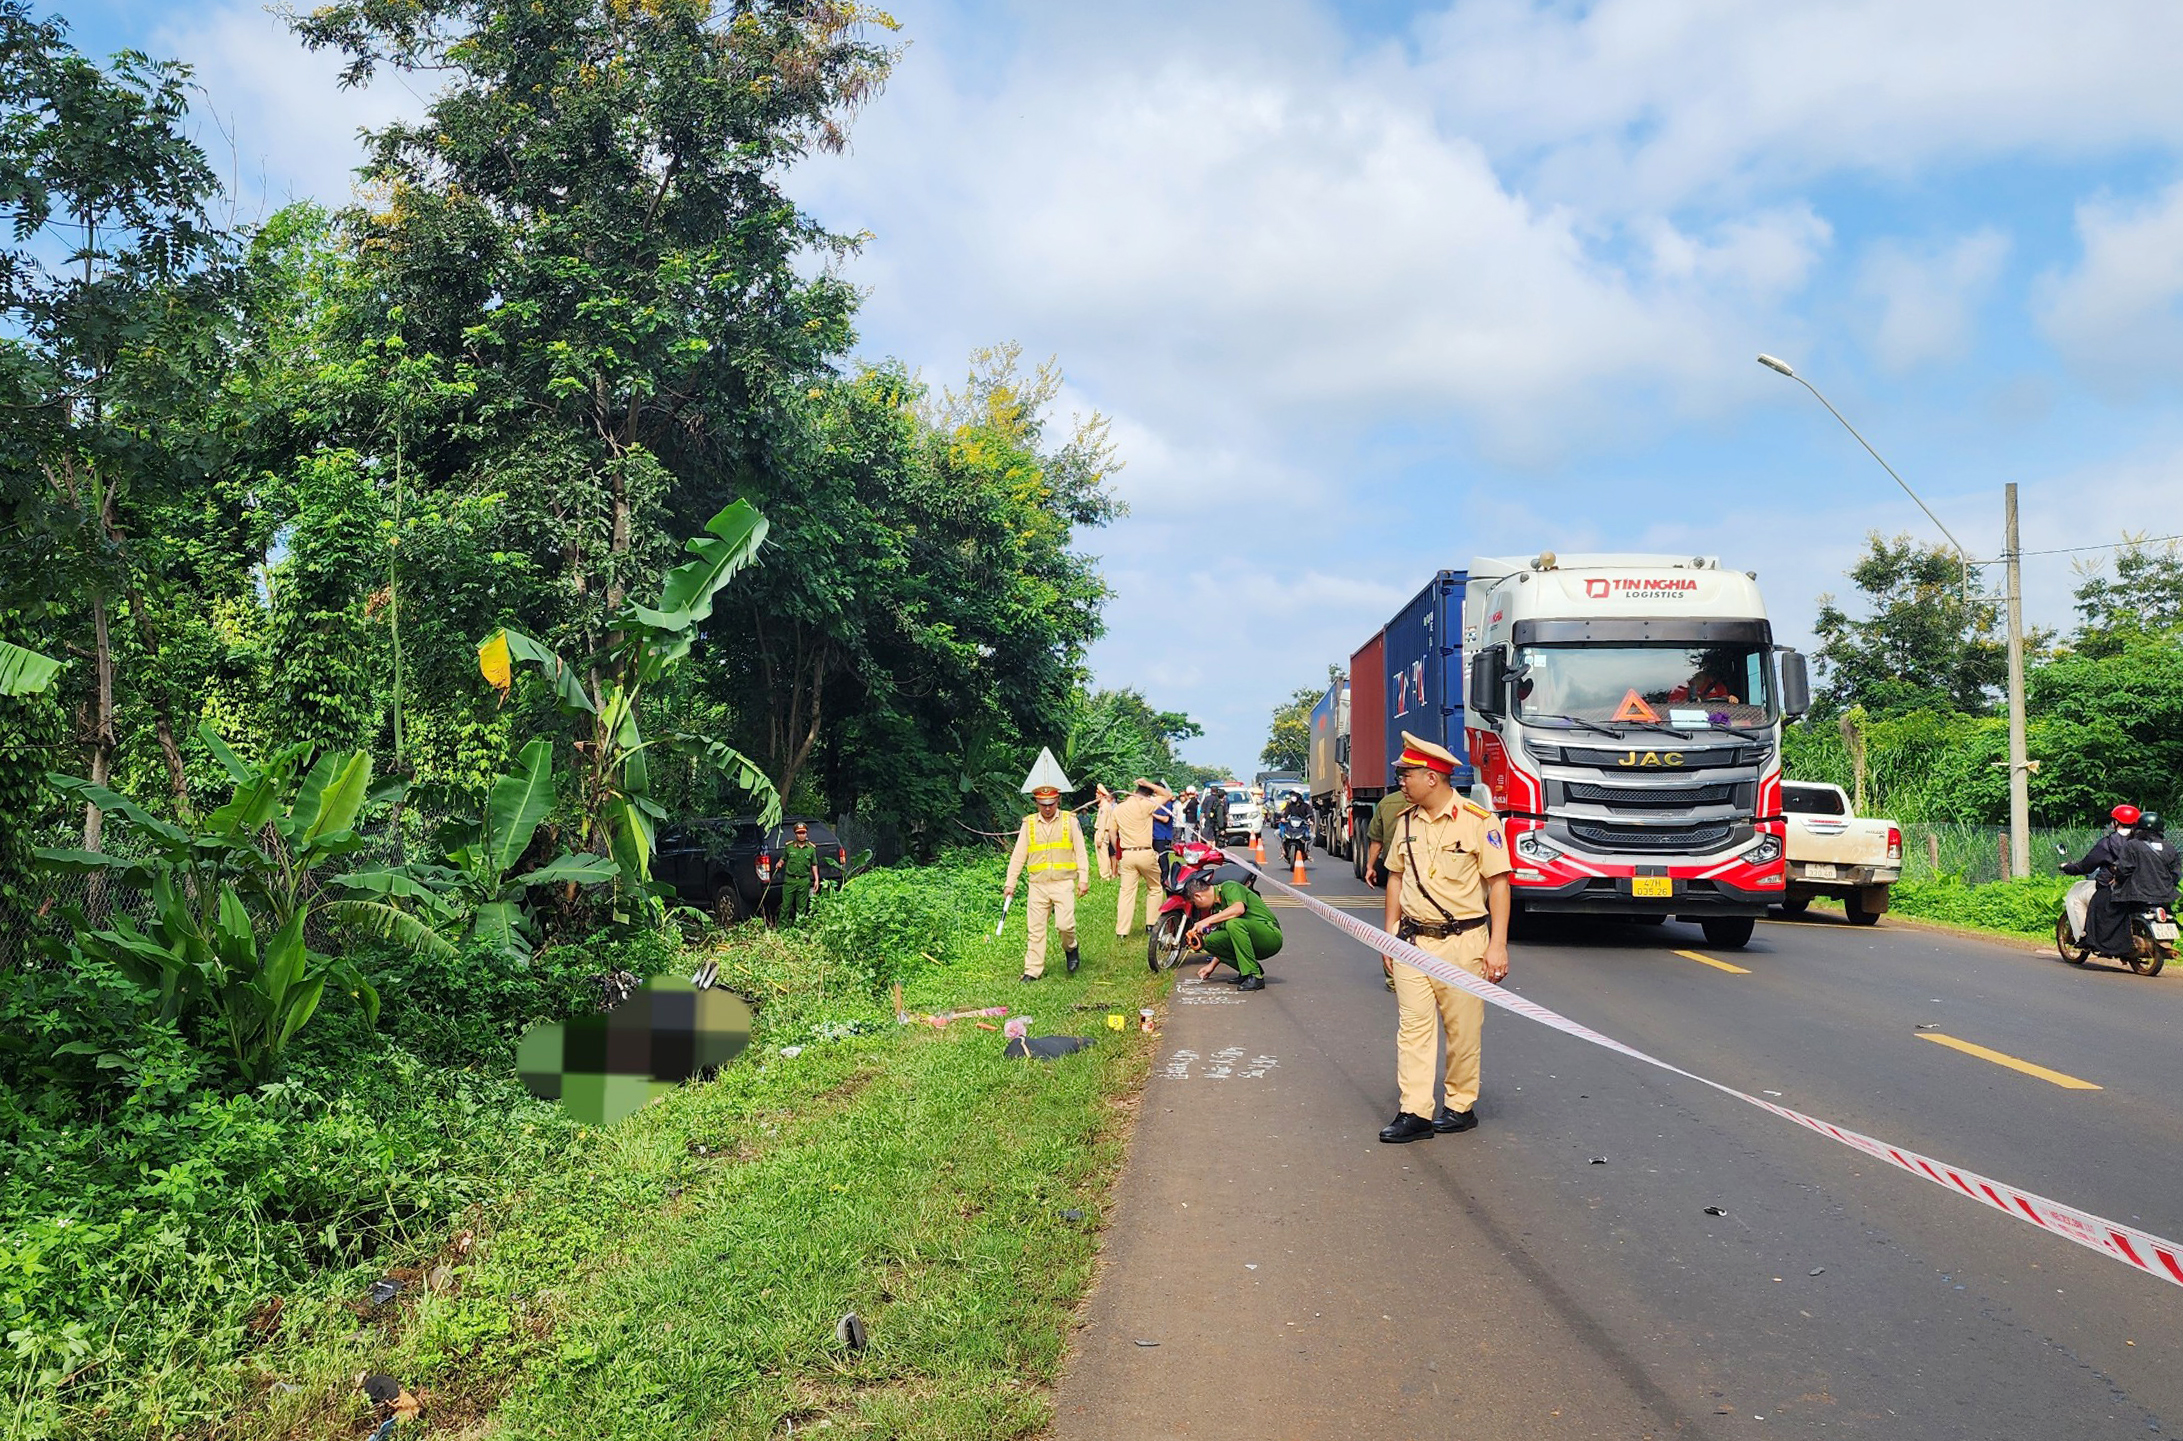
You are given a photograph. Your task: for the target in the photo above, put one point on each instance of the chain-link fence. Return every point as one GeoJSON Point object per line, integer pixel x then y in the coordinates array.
{"type": "Point", "coordinates": [1978, 854]}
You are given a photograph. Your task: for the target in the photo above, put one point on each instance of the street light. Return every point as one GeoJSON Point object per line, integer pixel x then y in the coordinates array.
{"type": "Point", "coordinates": [2019, 767]}
{"type": "Point", "coordinates": [1774, 363]}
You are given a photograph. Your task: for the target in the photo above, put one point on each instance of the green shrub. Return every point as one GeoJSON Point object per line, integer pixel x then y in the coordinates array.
{"type": "Point", "coordinates": [889, 924]}
{"type": "Point", "coordinates": [2025, 907]}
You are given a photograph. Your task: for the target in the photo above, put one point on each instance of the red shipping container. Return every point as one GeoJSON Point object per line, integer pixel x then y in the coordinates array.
{"type": "Point", "coordinates": [1368, 777]}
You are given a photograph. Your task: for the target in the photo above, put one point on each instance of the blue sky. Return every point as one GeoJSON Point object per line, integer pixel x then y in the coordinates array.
{"type": "Point", "coordinates": [1368, 289]}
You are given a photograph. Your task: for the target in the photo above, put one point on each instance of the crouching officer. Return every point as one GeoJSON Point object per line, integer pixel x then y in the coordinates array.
{"type": "Point", "coordinates": [1232, 924]}
{"type": "Point", "coordinates": [1050, 845]}
{"type": "Point", "coordinates": [1447, 877]}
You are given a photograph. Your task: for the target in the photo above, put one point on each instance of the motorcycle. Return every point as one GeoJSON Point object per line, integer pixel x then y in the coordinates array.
{"type": "Point", "coordinates": [1295, 840]}
{"type": "Point", "coordinates": [1167, 941]}
{"type": "Point", "coordinates": [2153, 932]}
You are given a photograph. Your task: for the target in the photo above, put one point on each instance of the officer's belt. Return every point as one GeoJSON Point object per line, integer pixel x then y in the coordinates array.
{"type": "Point", "coordinates": [1410, 928]}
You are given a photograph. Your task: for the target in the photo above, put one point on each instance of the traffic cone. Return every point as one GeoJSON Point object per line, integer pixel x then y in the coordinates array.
{"type": "Point", "coordinates": [1258, 849]}
{"type": "Point", "coordinates": [1297, 876]}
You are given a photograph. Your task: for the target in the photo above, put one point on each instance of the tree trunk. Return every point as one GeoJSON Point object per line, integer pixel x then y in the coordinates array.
{"type": "Point", "coordinates": [810, 735]}
{"type": "Point", "coordinates": [102, 736]}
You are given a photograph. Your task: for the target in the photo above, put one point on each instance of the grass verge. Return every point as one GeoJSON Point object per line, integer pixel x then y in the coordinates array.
{"type": "Point", "coordinates": [681, 1273]}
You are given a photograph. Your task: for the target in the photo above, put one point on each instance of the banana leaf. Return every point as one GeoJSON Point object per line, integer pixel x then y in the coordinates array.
{"type": "Point", "coordinates": [583, 870]}
{"type": "Point", "coordinates": [515, 806]}
{"type": "Point", "coordinates": [25, 672]}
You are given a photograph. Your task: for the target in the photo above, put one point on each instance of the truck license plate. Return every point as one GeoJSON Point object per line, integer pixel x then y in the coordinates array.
{"type": "Point", "coordinates": [1818, 871]}
{"type": "Point", "coordinates": [2164, 930]}
{"type": "Point", "coordinates": [1651, 886]}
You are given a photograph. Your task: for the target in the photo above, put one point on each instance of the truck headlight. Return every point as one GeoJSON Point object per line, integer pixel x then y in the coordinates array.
{"type": "Point", "coordinates": [1767, 851]}
{"type": "Point", "coordinates": [1534, 847]}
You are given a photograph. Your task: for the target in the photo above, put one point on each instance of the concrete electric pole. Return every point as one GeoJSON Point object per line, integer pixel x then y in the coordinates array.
{"type": "Point", "coordinates": [2019, 767]}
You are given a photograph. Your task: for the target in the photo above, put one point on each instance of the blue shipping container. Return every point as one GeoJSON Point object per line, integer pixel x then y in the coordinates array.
{"type": "Point", "coordinates": [1424, 677]}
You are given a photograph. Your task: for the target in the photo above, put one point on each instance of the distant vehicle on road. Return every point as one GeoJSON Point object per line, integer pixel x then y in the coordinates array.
{"type": "Point", "coordinates": [1832, 852]}
{"type": "Point", "coordinates": [1245, 818]}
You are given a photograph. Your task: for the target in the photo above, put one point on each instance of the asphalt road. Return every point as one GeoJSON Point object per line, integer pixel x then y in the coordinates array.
{"type": "Point", "coordinates": [1302, 1280]}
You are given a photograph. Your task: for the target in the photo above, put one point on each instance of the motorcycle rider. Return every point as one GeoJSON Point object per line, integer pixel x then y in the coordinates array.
{"type": "Point", "coordinates": [2112, 863]}
{"type": "Point", "coordinates": [2154, 832]}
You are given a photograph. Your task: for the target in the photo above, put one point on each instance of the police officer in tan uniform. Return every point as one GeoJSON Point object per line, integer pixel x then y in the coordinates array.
{"type": "Point", "coordinates": [1103, 835]}
{"type": "Point", "coordinates": [1050, 845]}
{"type": "Point", "coordinates": [1447, 893]}
{"type": "Point", "coordinates": [1140, 863]}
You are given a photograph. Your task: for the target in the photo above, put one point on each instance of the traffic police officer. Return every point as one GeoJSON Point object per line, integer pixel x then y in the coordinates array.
{"type": "Point", "coordinates": [1140, 864]}
{"type": "Point", "coordinates": [1447, 893]}
{"type": "Point", "coordinates": [1050, 845]}
{"type": "Point", "coordinates": [1103, 834]}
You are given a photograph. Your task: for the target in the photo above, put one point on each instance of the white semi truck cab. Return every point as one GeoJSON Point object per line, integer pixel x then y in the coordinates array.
{"type": "Point", "coordinates": [1625, 717]}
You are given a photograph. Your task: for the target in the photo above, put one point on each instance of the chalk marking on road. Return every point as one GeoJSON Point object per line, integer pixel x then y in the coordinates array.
{"type": "Point", "coordinates": [2141, 1250]}
{"type": "Point", "coordinates": [1999, 1058]}
{"type": "Point", "coordinates": [1716, 965]}
{"type": "Point", "coordinates": [1224, 1064]}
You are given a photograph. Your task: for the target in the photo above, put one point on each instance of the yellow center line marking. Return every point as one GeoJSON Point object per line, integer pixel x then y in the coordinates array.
{"type": "Point", "coordinates": [1716, 965]}
{"type": "Point", "coordinates": [2067, 1083]}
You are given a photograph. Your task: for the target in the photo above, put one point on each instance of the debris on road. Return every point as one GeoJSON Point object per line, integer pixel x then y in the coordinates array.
{"type": "Point", "coordinates": [850, 1332]}
{"type": "Point", "coordinates": [1715, 1211]}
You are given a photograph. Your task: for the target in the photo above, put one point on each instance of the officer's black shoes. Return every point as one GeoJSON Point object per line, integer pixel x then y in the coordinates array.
{"type": "Point", "coordinates": [1251, 983]}
{"type": "Point", "coordinates": [1027, 976]}
{"type": "Point", "coordinates": [1406, 1127]}
{"type": "Point", "coordinates": [1074, 960]}
{"type": "Point", "coordinates": [1447, 1122]}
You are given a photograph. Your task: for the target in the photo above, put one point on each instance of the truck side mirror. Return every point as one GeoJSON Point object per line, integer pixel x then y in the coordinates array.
{"type": "Point", "coordinates": [1796, 685]}
{"type": "Point", "coordinates": [1488, 682]}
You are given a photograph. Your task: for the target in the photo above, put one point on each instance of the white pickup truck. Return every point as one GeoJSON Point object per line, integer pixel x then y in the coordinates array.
{"type": "Point", "coordinates": [1833, 853]}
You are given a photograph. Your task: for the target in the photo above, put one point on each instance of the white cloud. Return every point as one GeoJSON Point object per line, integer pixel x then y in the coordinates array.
{"type": "Point", "coordinates": [2116, 315]}
{"type": "Point", "coordinates": [1300, 226]}
{"type": "Point", "coordinates": [280, 127]}
{"type": "Point", "coordinates": [1927, 296]}
{"type": "Point", "coordinates": [1652, 103]}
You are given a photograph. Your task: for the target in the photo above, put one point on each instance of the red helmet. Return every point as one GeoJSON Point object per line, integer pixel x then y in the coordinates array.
{"type": "Point", "coordinates": [2125, 815]}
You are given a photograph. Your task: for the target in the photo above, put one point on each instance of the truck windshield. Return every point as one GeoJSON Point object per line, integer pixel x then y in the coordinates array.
{"type": "Point", "coordinates": [1679, 686]}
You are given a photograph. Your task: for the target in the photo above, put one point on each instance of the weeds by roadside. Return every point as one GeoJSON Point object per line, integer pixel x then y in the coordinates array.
{"type": "Point", "coordinates": [575, 1281]}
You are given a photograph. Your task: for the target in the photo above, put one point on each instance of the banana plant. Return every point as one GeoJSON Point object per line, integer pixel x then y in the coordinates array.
{"type": "Point", "coordinates": [620, 816]}
{"type": "Point", "coordinates": [474, 895]}
{"type": "Point", "coordinates": [233, 900]}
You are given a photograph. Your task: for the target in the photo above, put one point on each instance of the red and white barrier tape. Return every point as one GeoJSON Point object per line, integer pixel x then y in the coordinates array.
{"type": "Point", "coordinates": [2139, 1249]}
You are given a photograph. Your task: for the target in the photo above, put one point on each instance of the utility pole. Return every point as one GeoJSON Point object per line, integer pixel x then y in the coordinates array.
{"type": "Point", "coordinates": [2019, 766]}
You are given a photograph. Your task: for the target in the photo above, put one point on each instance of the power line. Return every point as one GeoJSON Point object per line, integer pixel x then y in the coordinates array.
{"type": "Point", "coordinates": [2073, 549]}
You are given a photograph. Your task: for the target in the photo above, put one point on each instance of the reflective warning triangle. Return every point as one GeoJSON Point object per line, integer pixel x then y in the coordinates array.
{"type": "Point", "coordinates": [1633, 708]}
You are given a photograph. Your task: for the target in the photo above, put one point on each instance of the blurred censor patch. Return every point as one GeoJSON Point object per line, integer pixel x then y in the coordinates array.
{"type": "Point", "coordinates": [603, 1068]}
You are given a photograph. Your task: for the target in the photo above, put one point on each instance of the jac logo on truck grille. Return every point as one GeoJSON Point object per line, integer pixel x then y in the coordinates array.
{"type": "Point", "coordinates": [1652, 758]}
{"type": "Point", "coordinates": [1639, 587]}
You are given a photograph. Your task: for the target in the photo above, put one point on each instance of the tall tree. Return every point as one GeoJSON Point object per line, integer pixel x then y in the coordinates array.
{"type": "Point", "coordinates": [1288, 742]}
{"type": "Point", "coordinates": [926, 602]}
{"type": "Point", "coordinates": [589, 218]}
{"type": "Point", "coordinates": [110, 296]}
{"type": "Point", "coordinates": [2143, 601]}
{"type": "Point", "coordinates": [1921, 644]}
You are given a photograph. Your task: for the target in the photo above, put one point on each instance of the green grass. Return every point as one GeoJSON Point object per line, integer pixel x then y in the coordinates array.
{"type": "Point", "coordinates": [2022, 908]}
{"type": "Point", "coordinates": [647, 1287]}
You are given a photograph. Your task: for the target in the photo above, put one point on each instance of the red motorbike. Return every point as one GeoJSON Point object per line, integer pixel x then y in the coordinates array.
{"type": "Point", "coordinates": [1166, 942]}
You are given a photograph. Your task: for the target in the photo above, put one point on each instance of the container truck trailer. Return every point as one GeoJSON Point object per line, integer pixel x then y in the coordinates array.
{"type": "Point", "coordinates": [1409, 677]}
{"type": "Point", "coordinates": [1328, 771]}
{"type": "Point", "coordinates": [1622, 715]}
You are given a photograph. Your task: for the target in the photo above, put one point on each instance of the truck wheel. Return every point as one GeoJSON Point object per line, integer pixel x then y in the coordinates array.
{"type": "Point", "coordinates": [1729, 933]}
{"type": "Point", "coordinates": [1853, 908]}
{"type": "Point", "coordinates": [1795, 905]}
